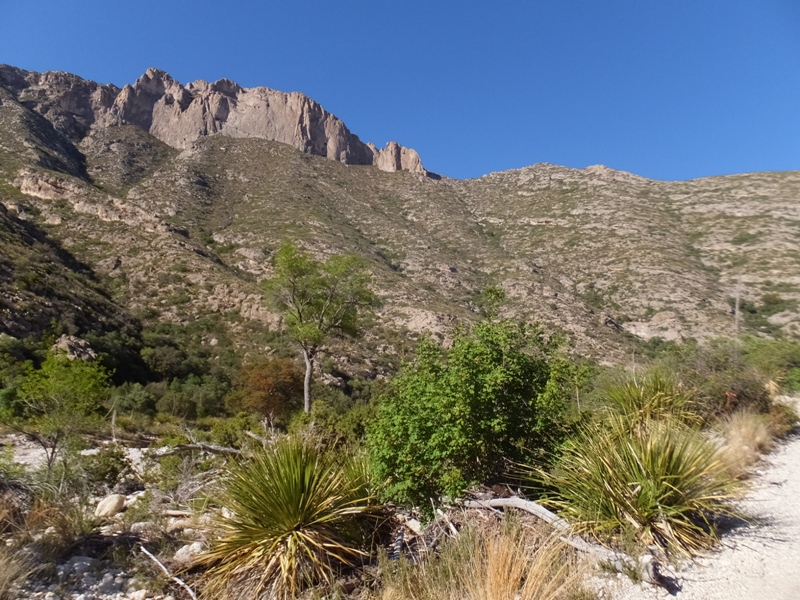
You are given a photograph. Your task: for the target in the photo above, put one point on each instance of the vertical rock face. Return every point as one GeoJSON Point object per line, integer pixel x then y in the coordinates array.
{"type": "Point", "coordinates": [178, 115]}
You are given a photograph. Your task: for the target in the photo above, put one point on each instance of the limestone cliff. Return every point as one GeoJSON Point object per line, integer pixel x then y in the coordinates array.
{"type": "Point", "coordinates": [179, 115]}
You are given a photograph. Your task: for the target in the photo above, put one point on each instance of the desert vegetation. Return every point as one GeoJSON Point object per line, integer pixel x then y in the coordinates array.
{"type": "Point", "coordinates": [182, 467]}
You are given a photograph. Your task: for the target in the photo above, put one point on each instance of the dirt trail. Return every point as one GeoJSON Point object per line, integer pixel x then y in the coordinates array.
{"type": "Point", "coordinates": [757, 562]}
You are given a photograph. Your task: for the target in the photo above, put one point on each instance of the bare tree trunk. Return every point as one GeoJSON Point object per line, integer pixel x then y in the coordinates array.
{"type": "Point", "coordinates": [308, 356]}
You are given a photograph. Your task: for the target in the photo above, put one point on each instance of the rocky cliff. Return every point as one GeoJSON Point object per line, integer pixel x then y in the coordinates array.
{"type": "Point", "coordinates": [179, 115]}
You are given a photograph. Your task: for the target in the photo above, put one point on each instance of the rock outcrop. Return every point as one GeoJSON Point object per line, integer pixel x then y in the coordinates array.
{"type": "Point", "coordinates": [179, 115]}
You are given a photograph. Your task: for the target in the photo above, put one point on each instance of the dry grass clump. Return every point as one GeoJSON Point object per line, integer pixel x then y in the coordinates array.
{"type": "Point", "coordinates": [747, 436]}
{"type": "Point", "coordinates": [505, 563]}
{"type": "Point", "coordinates": [15, 566]}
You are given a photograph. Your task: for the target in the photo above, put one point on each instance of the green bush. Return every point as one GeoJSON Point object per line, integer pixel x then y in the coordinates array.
{"type": "Point", "coordinates": [106, 468]}
{"type": "Point", "coordinates": [57, 402]}
{"type": "Point", "coordinates": [453, 418]}
{"type": "Point", "coordinates": [298, 518]}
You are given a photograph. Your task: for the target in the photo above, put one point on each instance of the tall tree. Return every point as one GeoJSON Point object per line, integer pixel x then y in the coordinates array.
{"type": "Point", "coordinates": [319, 299]}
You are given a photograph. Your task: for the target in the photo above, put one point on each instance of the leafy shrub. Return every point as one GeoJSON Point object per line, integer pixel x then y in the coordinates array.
{"type": "Point", "coordinates": [57, 402]}
{"type": "Point", "coordinates": [298, 518]}
{"type": "Point", "coordinates": [722, 378]}
{"type": "Point", "coordinates": [660, 481]}
{"type": "Point", "coordinates": [133, 398]}
{"type": "Point", "coordinates": [106, 468]}
{"type": "Point", "coordinates": [454, 417]}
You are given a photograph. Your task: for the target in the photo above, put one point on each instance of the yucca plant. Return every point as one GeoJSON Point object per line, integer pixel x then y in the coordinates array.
{"type": "Point", "coordinates": [652, 395]}
{"type": "Point", "coordinates": [660, 480]}
{"type": "Point", "coordinates": [298, 517]}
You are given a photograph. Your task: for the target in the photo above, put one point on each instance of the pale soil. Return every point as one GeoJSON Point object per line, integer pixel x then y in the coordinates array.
{"type": "Point", "coordinates": [756, 562]}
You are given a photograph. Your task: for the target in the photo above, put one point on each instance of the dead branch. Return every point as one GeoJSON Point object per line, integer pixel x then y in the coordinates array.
{"type": "Point", "coordinates": [515, 502]}
{"type": "Point", "coordinates": [182, 448]}
{"type": "Point", "coordinates": [180, 582]}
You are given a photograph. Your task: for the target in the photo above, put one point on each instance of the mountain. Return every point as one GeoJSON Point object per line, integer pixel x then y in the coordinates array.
{"type": "Point", "coordinates": [179, 116]}
{"type": "Point", "coordinates": [175, 197]}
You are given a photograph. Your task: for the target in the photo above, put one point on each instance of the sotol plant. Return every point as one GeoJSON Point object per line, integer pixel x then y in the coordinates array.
{"type": "Point", "coordinates": [658, 480]}
{"type": "Point", "coordinates": [298, 518]}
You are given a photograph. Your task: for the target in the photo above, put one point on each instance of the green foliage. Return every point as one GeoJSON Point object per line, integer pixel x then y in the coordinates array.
{"type": "Point", "coordinates": [133, 398]}
{"type": "Point", "coordinates": [452, 418]}
{"type": "Point", "coordinates": [58, 401]}
{"type": "Point", "coordinates": [319, 299]}
{"type": "Point", "coordinates": [197, 397]}
{"type": "Point", "coordinates": [721, 377]}
{"type": "Point", "coordinates": [298, 518]}
{"type": "Point", "coordinates": [756, 316]}
{"type": "Point", "coordinates": [105, 468]}
{"type": "Point", "coordinates": [659, 480]}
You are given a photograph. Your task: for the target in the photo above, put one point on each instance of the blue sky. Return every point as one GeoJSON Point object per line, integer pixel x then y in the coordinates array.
{"type": "Point", "coordinates": [668, 90]}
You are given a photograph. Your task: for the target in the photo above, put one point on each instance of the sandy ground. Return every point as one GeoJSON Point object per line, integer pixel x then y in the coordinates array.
{"type": "Point", "coordinates": [756, 562]}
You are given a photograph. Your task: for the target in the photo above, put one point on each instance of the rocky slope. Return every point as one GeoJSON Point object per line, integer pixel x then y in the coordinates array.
{"type": "Point", "coordinates": [179, 225]}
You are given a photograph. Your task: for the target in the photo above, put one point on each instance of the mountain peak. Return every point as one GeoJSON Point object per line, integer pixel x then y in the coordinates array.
{"type": "Point", "coordinates": [179, 115]}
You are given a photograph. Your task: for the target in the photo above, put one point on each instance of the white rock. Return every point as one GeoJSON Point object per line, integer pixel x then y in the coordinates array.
{"type": "Point", "coordinates": [138, 595]}
{"type": "Point", "coordinates": [187, 553]}
{"type": "Point", "coordinates": [110, 506]}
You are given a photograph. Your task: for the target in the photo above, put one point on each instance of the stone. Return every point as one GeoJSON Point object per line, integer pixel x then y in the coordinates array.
{"type": "Point", "coordinates": [186, 554]}
{"type": "Point", "coordinates": [110, 506]}
{"type": "Point", "coordinates": [138, 595]}
{"type": "Point", "coordinates": [142, 527]}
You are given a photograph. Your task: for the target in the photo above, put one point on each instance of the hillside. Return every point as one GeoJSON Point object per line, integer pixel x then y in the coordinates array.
{"type": "Point", "coordinates": [174, 231]}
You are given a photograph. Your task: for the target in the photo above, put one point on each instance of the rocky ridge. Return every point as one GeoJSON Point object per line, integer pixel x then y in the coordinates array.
{"type": "Point", "coordinates": [179, 115]}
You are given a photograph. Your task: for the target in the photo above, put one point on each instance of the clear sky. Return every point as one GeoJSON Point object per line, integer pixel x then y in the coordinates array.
{"type": "Point", "coordinates": [670, 90]}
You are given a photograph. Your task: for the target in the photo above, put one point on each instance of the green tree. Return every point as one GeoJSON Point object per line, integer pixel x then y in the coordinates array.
{"type": "Point", "coordinates": [318, 299]}
{"type": "Point", "coordinates": [453, 418]}
{"type": "Point", "coordinates": [56, 402]}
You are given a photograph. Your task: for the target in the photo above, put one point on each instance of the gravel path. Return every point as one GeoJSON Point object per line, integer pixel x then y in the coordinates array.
{"type": "Point", "coordinates": [757, 562]}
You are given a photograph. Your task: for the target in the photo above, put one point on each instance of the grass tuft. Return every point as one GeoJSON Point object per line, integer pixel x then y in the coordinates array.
{"type": "Point", "coordinates": [503, 564]}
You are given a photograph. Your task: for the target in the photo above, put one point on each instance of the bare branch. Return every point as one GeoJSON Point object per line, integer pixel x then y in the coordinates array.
{"type": "Point", "coordinates": [177, 580]}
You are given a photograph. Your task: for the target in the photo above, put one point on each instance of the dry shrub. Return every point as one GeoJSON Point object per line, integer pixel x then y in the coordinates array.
{"type": "Point", "coordinates": [506, 563]}
{"type": "Point", "coordinates": [747, 436]}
